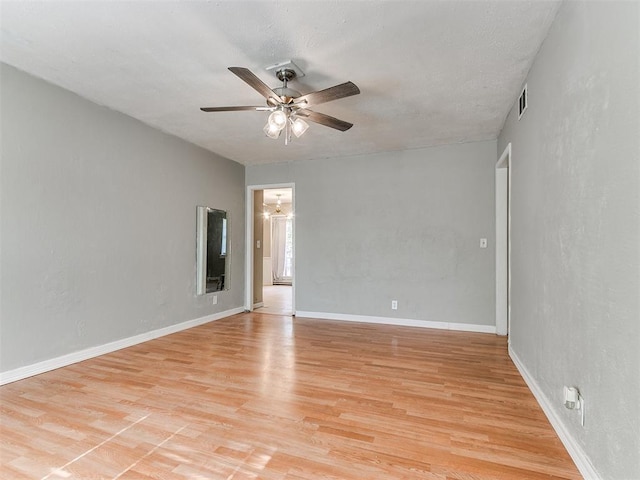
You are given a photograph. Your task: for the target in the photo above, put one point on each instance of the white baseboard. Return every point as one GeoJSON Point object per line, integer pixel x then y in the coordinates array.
{"type": "Point", "coordinates": [405, 322]}
{"type": "Point", "coordinates": [258, 305]}
{"type": "Point", "coordinates": [75, 357]}
{"type": "Point", "coordinates": [575, 451]}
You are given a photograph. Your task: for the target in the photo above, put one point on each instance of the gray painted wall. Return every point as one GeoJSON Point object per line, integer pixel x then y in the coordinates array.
{"type": "Point", "coordinates": [98, 224]}
{"type": "Point", "coordinates": [575, 231]}
{"type": "Point", "coordinates": [401, 225]}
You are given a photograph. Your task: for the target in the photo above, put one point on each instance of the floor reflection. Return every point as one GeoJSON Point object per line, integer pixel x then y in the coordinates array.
{"type": "Point", "coordinates": [278, 358]}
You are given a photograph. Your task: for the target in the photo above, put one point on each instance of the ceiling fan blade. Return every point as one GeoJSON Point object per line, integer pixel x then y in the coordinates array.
{"type": "Point", "coordinates": [235, 109]}
{"type": "Point", "coordinates": [325, 120]}
{"type": "Point", "coordinates": [328, 94]}
{"type": "Point", "coordinates": [254, 82]}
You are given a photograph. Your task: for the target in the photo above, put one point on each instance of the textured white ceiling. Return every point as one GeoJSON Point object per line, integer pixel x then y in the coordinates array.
{"type": "Point", "coordinates": [271, 195]}
{"type": "Point", "coordinates": [430, 72]}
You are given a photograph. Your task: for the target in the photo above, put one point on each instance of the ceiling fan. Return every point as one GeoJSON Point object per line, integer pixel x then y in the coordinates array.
{"type": "Point", "coordinates": [288, 107]}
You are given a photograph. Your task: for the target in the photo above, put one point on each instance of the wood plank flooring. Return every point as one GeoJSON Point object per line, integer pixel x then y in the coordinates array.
{"type": "Point", "coordinates": [266, 397]}
{"type": "Point", "coordinates": [277, 299]}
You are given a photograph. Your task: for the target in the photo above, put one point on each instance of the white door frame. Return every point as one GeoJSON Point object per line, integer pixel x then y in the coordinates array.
{"type": "Point", "coordinates": [503, 242]}
{"type": "Point", "coordinates": [249, 240]}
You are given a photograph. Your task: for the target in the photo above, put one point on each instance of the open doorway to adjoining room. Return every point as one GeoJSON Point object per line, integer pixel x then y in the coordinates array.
{"type": "Point", "coordinates": [273, 240]}
{"type": "Point", "coordinates": [278, 251]}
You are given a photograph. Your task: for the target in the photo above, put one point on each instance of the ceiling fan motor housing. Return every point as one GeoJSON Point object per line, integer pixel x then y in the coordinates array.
{"type": "Point", "coordinates": [286, 92]}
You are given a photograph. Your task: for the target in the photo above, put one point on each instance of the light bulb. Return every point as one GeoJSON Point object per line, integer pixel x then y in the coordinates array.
{"type": "Point", "coordinates": [299, 126]}
{"type": "Point", "coordinates": [278, 119]}
{"type": "Point", "coordinates": [271, 131]}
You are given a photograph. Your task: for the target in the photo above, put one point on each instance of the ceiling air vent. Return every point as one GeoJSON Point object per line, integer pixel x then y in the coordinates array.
{"type": "Point", "coordinates": [523, 102]}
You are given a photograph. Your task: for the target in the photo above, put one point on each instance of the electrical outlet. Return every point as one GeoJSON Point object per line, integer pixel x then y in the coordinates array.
{"type": "Point", "coordinates": [483, 243]}
{"type": "Point", "coordinates": [573, 400]}
{"type": "Point", "coordinates": [394, 304]}
{"type": "Point", "coordinates": [214, 300]}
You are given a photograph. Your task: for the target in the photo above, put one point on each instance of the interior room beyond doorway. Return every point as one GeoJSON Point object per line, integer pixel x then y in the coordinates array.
{"type": "Point", "coordinates": [277, 299]}
{"type": "Point", "coordinates": [278, 251]}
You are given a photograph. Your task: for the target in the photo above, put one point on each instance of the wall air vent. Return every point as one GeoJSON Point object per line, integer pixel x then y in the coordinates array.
{"type": "Point", "coordinates": [523, 102]}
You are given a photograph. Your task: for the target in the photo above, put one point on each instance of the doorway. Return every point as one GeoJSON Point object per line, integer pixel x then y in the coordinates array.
{"type": "Point", "coordinates": [270, 282]}
{"type": "Point", "coordinates": [503, 242]}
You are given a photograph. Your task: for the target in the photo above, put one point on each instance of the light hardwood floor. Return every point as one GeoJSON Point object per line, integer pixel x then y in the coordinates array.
{"type": "Point", "coordinates": [263, 396]}
{"type": "Point", "coordinates": [277, 299]}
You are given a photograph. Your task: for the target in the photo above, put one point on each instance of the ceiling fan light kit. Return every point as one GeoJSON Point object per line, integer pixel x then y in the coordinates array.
{"type": "Point", "coordinates": [288, 105]}
{"type": "Point", "coordinates": [282, 120]}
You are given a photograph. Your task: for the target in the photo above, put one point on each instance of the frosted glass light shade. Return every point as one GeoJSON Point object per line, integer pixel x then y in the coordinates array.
{"type": "Point", "coordinates": [278, 119]}
{"type": "Point", "coordinates": [299, 126]}
{"type": "Point", "coordinates": [271, 131]}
